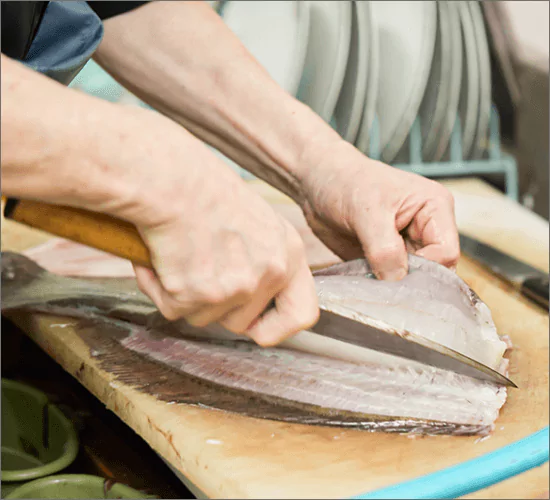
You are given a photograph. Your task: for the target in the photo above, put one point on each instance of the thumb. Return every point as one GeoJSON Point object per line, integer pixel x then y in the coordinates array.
{"type": "Point", "coordinates": [296, 309]}
{"type": "Point", "coordinates": [384, 247]}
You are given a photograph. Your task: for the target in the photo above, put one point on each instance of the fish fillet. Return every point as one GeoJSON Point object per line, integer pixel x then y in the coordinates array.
{"type": "Point", "coordinates": [308, 379]}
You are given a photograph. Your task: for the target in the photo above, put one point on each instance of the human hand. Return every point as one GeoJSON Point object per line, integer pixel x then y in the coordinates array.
{"type": "Point", "coordinates": [363, 208]}
{"type": "Point", "coordinates": [219, 251]}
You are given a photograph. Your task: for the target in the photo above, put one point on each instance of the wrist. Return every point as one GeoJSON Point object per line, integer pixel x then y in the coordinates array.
{"type": "Point", "coordinates": [285, 144]}
{"type": "Point", "coordinates": [132, 149]}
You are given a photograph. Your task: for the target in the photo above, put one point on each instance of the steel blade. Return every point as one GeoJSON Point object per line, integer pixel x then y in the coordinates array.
{"type": "Point", "coordinates": [408, 346]}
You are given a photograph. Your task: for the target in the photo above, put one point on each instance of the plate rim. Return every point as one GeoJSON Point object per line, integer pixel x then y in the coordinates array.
{"type": "Point", "coordinates": [362, 141]}
{"type": "Point", "coordinates": [301, 20]}
{"type": "Point", "coordinates": [485, 97]}
{"type": "Point", "coordinates": [453, 102]}
{"type": "Point", "coordinates": [470, 50]}
{"type": "Point", "coordinates": [361, 12]}
{"type": "Point", "coordinates": [343, 13]}
{"type": "Point", "coordinates": [400, 134]}
{"type": "Point", "coordinates": [444, 80]}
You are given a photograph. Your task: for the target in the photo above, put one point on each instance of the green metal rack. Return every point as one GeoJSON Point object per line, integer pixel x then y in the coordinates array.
{"type": "Point", "coordinates": [496, 162]}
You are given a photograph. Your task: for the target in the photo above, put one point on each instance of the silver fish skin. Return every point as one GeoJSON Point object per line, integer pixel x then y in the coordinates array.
{"type": "Point", "coordinates": [308, 379]}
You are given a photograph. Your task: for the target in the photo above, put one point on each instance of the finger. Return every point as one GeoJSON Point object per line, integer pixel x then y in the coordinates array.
{"type": "Point", "coordinates": [240, 319]}
{"type": "Point", "coordinates": [149, 284]}
{"type": "Point", "coordinates": [242, 293]}
{"type": "Point", "coordinates": [296, 310]}
{"type": "Point", "coordinates": [384, 247]}
{"type": "Point", "coordinates": [211, 314]}
{"type": "Point", "coordinates": [437, 253]}
{"type": "Point", "coordinates": [440, 238]}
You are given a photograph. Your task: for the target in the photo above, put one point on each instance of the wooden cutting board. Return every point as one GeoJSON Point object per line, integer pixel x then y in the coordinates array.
{"type": "Point", "coordinates": [228, 456]}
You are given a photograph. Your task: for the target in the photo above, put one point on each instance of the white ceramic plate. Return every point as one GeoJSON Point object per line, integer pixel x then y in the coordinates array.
{"type": "Point", "coordinates": [275, 33]}
{"type": "Point", "coordinates": [480, 144]}
{"type": "Point", "coordinates": [349, 107]}
{"type": "Point", "coordinates": [455, 77]}
{"type": "Point", "coordinates": [433, 107]}
{"type": "Point", "coordinates": [406, 31]}
{"type": "Point", "coordinates": [362, 141]}
{"type": "Point", "coordinates": [326, 56]}
{"type": "Point", "coordinates": [469, 92]}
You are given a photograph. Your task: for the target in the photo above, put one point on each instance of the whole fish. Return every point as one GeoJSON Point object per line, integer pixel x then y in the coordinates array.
{"type": "Point", "coordinates": [308, 379]}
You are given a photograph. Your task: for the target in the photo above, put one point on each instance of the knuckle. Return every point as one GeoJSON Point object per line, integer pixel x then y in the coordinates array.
{"type": "Point", "coordinates": [172, 285]}
{"type": "Point", "coordinates": [246, 286]}
{"type": "Point", "coordinates": [450, 197]}
{"type": "Point", "coordinates": [242, 285]}
{"type": "Point", "coordinates": [205, 291]}
{"type": "Point", "coordinates": [441, 194]}
{"type": "Point", "coordinates": [276, 271]}
{"type": "Point", "coordinates": [211, 295]}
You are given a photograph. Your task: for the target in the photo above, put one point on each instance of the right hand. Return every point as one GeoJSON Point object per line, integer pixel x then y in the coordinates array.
{"type": "Point", "coordinates": [219, 251]}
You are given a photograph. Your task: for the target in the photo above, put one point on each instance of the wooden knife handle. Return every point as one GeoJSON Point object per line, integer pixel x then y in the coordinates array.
{"type": "Point", "coordinates": [96, 230]}
{"type": "Point", "coordinates": [536, 289]}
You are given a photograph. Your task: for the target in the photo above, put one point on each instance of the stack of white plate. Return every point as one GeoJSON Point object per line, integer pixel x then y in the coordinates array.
{"type": "Point", "coordinates": [367, 66]}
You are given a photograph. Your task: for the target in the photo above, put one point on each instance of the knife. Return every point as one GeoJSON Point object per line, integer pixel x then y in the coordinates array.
{"type": "Point", "coordinates": [122, 239]}
{"type": "Point", "coordinates": [531, 282]}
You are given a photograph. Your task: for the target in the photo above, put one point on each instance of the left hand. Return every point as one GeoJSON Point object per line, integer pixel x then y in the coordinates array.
{"type": "Point", "coordinates": [363, 208]}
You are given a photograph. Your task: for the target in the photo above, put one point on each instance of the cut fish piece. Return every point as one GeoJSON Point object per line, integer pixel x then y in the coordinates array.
{"type": "Point", "coordinates": [430, 301]}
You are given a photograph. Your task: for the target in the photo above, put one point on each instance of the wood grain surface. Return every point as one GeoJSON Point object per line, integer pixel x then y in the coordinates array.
{"type": "Point", "coordinates": [228, 456]}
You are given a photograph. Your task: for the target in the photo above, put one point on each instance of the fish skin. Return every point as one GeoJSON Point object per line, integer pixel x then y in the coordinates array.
{"type": "Point", "coordinates": [213, 368]}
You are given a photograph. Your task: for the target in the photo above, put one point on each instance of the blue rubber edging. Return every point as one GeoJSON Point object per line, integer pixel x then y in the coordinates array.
{"type": "Point", "coordinates": [474, 474]}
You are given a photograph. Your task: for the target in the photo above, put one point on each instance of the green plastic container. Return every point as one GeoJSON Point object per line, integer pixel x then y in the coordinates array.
{"type": "Point", "coordinates": [37, 439]}
{"type": "Point", "coordinates": [74, 486]}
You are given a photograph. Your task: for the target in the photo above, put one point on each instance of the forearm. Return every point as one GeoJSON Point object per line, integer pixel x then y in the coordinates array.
{"type": "Point", "coordinates": [187, 64]}
{"type": "Point", "coordinates": [49, 140]}
{"type": "Point", "coordinates": [64, 147]}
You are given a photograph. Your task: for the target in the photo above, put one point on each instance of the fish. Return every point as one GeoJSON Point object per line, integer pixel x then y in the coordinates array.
{"type": "Point", "coordinates": [69, 258]}
{"type": "Point", "coordinates": [307, 379]}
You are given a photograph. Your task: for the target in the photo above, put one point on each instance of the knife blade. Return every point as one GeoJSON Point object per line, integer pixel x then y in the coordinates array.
{"type": "Point", "coordinates": [409, 346]}
{"type": "Point", "coordinates": [531, 282]}
{"type": "Point", "coordinates": [120, 238]}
